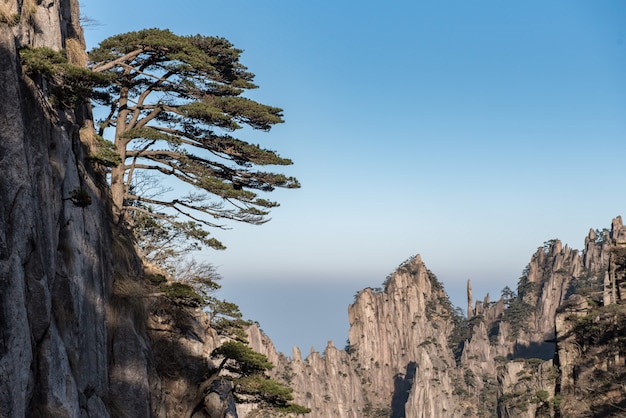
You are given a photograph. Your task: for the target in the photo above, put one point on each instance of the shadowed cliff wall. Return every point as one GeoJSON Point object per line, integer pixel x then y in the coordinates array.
{"type": "Point", "coordinates": [55, 257]}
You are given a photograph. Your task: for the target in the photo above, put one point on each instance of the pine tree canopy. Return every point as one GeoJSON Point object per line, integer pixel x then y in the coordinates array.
{"type": "Point", "coordinates": [247, 369]}
{"type": "Point", "coordinates": [174, 104]}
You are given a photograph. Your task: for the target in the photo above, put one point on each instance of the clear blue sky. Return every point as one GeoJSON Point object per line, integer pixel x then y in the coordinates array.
{"type": "Point", "coordinates": [469, 132]}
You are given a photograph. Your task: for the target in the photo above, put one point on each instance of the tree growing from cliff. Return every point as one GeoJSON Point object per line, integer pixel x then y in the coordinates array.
{"type": "Point", "coordinates": [173, 106]}
{"type": "Point", "coordinates": [202, 277]}
{"type": "Point", "coordinates": [66, 85]}
{"type": "Point", "coordinates": [247, 369]}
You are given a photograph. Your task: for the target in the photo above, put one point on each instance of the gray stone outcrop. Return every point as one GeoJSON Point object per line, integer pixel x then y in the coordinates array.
{"type": "Point", "coordinates": [77, 322]}
{"type": "Point", "coordinates": [520, 357]}
{"type": "Point", "coordinates": [55, 257]}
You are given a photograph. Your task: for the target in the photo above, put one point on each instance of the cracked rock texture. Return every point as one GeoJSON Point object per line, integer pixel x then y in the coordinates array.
{"type": "Point", "coordinates": [553, 346]}
{"type": "Point", "coordinates": [84, 335]}
{"type": "Point", "coordinates": [55, 257]}
{"type": "Point", "coordinates": [80, 335]}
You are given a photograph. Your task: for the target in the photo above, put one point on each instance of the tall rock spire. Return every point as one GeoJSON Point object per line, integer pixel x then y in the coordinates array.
{"type": "Point", "coordinates": [470, 300]}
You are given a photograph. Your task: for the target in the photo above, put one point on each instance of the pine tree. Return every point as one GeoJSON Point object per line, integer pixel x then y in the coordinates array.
{"type": "Point", "coordinates": [247, 369]}
{"type": "Point", "coordinates": [173, 104]}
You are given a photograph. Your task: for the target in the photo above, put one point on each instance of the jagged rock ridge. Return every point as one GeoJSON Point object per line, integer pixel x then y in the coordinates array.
{"type": "Point", "coordinates": [397, 351]}
{"type": "Point", "coordinates": [81, 334]}
{"type": "Point", "coordinates": [533, 352]}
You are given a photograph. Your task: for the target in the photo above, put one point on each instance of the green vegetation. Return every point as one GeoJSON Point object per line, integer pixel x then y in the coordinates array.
{"type": "Point", "coordinates": [589, 284]}
{"type": "Point", "coordinates": [226, 319]}
{"type": "Point", "coordinates": [174, 102]}
{"type": "Point", "coordinates": [542, 396]}
{"type": "Point", "coordinates": [618, 256]}
{"type": "Point", "coordinates": [67, 85]}
{"type": "Point", "coordinates": [602, 235]}
{"type": "Point", "coordinates": [556, 401]}
{"type": "Point", "coordinates": [161, 242]}
{"type": "Point", "coordinates": [534, 363]}
{"type": "Point", "coordinates": [105, 154]}
{"type": "Point", "coordinates": [520, 402]}
{"type": "Point", "coordinates": [461, 333]}
{"type": "Point", "coordinates": [183, 293]}
{"type": "Point", "coordinates": [247, 369]}
{"type": "Point", "coordinates": [195, 285]}
{"type": "Point", "coordinates": [440, 306]}
{"type": "Point", "coordinates": [404, 267]}
{"type": "Point", "coordinates": [516, 400]}
{"type": "Point", "coordinates": [80, 198]}
{"type": "Point", "coordinates": [157, 279]}
{"type": "Point", "coordinates": [469, 378]}
{"type": "Point", "coordinates": [517, 315]}
{"type": "Point", "coordinates": [526, 288]}
{"type": "Point", "coordinates": [370, 412]}
{"type": "Point", "coordinates": [508, 295]}
{"type": "Point", "coordinates": [7, 18]}
{"type": "Point", "coordinates": [246, 361]}
{"type": "Point", "coordinates": [488, 397]}
{"type": "Point", "coordinates": [602, 326]}
{"type": "Point", "coordinates": [518, 311]}
{"type": "Point", "coordinates": [547, 245]}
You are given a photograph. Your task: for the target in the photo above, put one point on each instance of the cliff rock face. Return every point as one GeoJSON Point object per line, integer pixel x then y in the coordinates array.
{"type": "Point", "coordinates": [85, 333]}
{"type": "Point", "coordinates": [535, 352]}
{"type": "Point", "coordinates": [397, 362]}
{"type": "Point", "coordinates": [399, 340]}
{"type": "Point", "coordinates": [55, 258]}
{"type": "Point", "coordinates": [591, 330]}
{"type": "Point", "coordinates": [81, 335]}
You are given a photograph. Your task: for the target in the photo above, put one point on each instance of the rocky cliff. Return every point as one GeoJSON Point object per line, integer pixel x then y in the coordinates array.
{"type": "Point", "coordinates": [83, 331]}
{"type": "Point", "coordinates": [397, 350]}
{"type": "Point", "coordinates": [55, 256]}
{"type": "Point", "coordinates": [86, 331]}
{"type": "Point", "coordinates": [553, 347]}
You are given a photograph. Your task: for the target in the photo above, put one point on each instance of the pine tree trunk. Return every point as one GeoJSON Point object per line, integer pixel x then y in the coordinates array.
{"type": "Point", "coordinates": [118, 187]}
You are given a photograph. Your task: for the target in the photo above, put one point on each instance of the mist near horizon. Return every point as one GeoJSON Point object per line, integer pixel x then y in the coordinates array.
{"type": "Point", "coordinates": [309, 314]}
{"type": "Point", "coordinates": [467, 133]}
{"type": "Point", "coordinates": [307, 310]}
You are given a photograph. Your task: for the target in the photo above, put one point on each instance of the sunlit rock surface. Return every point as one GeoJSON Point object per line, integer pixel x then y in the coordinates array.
{"type": "Point", "coordinates": [518, 353]}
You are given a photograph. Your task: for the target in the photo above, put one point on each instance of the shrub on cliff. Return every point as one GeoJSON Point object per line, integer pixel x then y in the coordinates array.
{"type": "Point", "coordinates": [247, 369]}
{"type": "Point", "coordinates": [67, 84]}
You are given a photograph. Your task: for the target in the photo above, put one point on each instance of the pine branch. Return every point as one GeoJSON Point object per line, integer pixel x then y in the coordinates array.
{"type": "Point", "coordinates": [107, 66]}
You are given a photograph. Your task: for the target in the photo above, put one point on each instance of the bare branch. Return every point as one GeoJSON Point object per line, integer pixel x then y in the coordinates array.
{"type": "Point", "coordinates": [173, 205]}
{"type": "Point", "coordinates": [131, 170]}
